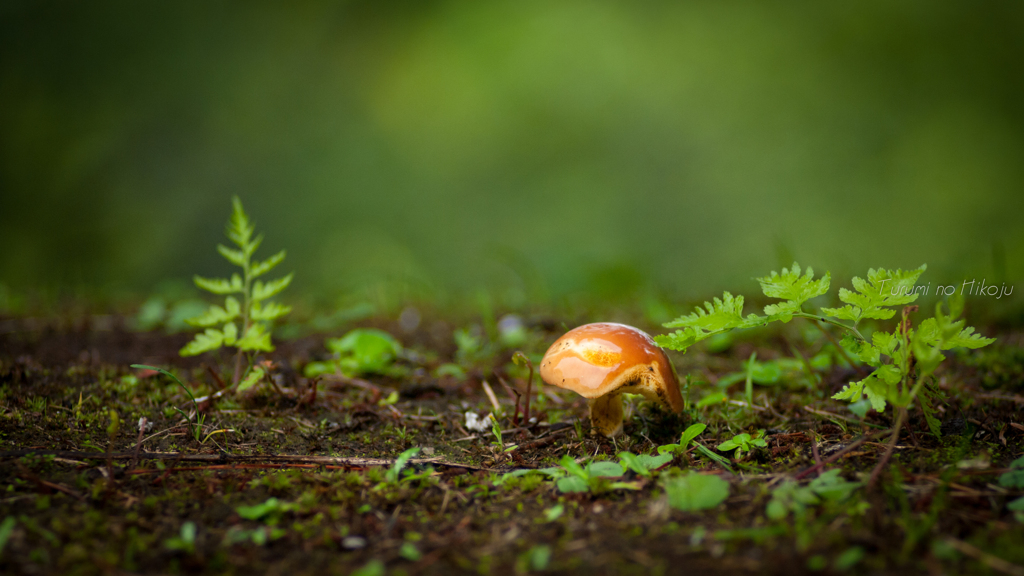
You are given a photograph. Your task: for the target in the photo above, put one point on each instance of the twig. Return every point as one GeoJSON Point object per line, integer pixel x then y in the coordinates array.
{"type": "Point", "coordinates": [838, 417]}
{"type": "Point", "coordinates": [513, 393]}
{"type": "Point", "coordinates": [517, 357]}
{"type": "Point", "coordinates": [993, 562]}
{"type": "Point", "coordinates": [745, 405]}
{"type": "Point", "coordinates": [138, 443]}
{"type": "Point", "coordinates": [226, 458]}
{"type": "Point", "coordinates": [901, 414]}
{"type": "Point", "coordinates": [491, 396]}
{"type": "Point", "coordinates": [29, 475]}
{"type": "Point", "coordinates": [141, 471]}
{"type": "Point", "coordinates": [838, 454]}
{"type": "Point", "coordinates": [348, 381]}
{"type": "Point", "coordinates": [220, 383]}
{"type": "Point", "coordinates": [238, 360]}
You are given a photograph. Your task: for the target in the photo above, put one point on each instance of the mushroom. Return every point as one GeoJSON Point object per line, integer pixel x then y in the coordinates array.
{"type": "Point", "coordinates": [601, 361]}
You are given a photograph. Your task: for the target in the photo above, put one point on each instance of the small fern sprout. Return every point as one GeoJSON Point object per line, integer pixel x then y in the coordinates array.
{"type": "Point", "coordinates": [245, 324]}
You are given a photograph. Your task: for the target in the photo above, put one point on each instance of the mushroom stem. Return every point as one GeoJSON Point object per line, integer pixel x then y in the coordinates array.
{"type": "Point", "coordinates": [606, 414]}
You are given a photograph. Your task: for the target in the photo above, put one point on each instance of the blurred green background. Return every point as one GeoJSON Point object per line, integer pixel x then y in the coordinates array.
{"type": "Point", "coordinates": [534, 149]}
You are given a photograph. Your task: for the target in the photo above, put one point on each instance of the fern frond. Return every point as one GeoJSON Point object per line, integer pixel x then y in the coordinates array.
{"type": "Point", "coordinates": [236, 257]}
{"type": "Point", "coordinates": [852, 391]}
{"type": "Point", "coordinates": [239, 228]}
{"type": "Point", "coordinates": [793, 288]}
{"type": "Point", "coordinates": [261, 268]}
{"type": "Point", "coordinates": [882, 289]}
{"type": "Point", "coordinates": [271, 311]}
{"type": "Point", "coordinates": [720, 315]}
{"type": "Point", "coordinates": [220, 285]}
{"type": "Point", "coordinates": [261, 291]}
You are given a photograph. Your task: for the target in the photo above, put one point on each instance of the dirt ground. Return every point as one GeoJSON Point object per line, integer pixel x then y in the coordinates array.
{"type": "Point", "coordinates": [101, 474]}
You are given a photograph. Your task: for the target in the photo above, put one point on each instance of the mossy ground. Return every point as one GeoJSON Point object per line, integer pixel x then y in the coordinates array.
{"type": "Point", "coordinates": [938, 509]}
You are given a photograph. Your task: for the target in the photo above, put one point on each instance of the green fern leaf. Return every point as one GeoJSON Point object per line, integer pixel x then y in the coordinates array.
{"type": "Point", "coordinates": [269, 312]}
{"type": "Point", "coordinates": [251, 379]}
{"type": "Point", "coordinates": [256, 338]}
{"type": "Point", "coordinates": [680, 340]}
{"type": "Point", "coordinates": [239, 228]}
{"type": "Point", "coordinates": [250, 248]}
{"type": "Point", "coordinates": [717, 316]}
{"type": "Point", "coordinates": [967, 339]}
{"type": "Point", "coordinates": [236, 257]}
{"type": "Point", "coordinates": [945, 332]}
{"type": "Point", "coordinates": [261, 291]}
{"type": "Point", "coordinates": [877, 391]}
{"type": "Point", "coordinates": [261, 268]}
{"type": "Point", "coordinates": [865, 352]}
{"type": "Point", "coordinates": [929, 394]}
{"type": "Point", "coordinates": [218, 285]}
{"type": "Point", "coordinates": [852, 392]}
{"type": "Point", "coordinates": [793, 288]}
{"type": "Point", "coordinates": [216, 315]}
{"type": "Point", "coordinates": [230, 333]}
{"type": "Point", "coordinates": [211, 339]}
{"type": "Point", "coordinates": [882, 288]}
{"type": "Point", "coordinates": [885, 342]}
{"type": "Point", "coordinates": [722, 314]}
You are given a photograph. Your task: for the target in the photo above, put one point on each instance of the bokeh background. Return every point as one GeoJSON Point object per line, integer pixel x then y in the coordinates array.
{"type": "Point", "coordinates": [534, 150]}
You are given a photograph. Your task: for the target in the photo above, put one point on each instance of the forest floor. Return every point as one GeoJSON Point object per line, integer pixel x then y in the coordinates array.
{"type": "Point", "coordinates": [100, 473]}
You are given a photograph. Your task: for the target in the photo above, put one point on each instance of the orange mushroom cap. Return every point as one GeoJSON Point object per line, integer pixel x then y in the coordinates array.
{"type": "Point", "coordinates": [606, 359]}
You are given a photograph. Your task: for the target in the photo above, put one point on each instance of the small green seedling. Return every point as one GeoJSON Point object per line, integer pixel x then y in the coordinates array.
{"type": "Point", "coordinates": [410, 552]}
{"type": "Point", "coordinates": [553, 513]}
{"type": "Point", "coordinates": [791, 499]}
{"type": "Point", "coordinates": [361, 351]}
{"type": "Point", "coordinates": [269, 511]}
{"type": "Point", "coordinates": [498, 443]}
{"type": "Point", "coordinates": [643, 464]}
{"type": "Point", "coordinates": [1015, 479]}
{"type": "Point", "coordinates": [394, 474]}
{"type": "Point", "coordinates": [593, 477]}
{"type": "Point", "coordinates": [6, 529]}
{"type": "Point", "coordinates": [372, 568]}
{"type": "Point", "coordinates": [185, 541]}
{"type": "Point", "coordinates": [195, 430]}
{"type": "Point", "coordinates": [712, 399]}
{"type": "Point", "coordinates": [243, 325]}
{"type": "Point", "coordinates": [743, 443]}
{"type": "Point", "coordinates": [695, 491]}
{"type": "Point", "coordinates": [570, 477]}
{"type": "Point", "coordinates": [687, 436]}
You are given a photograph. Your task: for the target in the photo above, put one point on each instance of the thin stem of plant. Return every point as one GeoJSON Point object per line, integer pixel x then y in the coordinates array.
{"type": "Point", "coordinates": [900, 417]}
{"type": "Point", "coordinates": [529, 389]}
{"type": "Point", "coordinates": [839, 347]}
{"type": "Point", "coordinates": [832, 322]}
